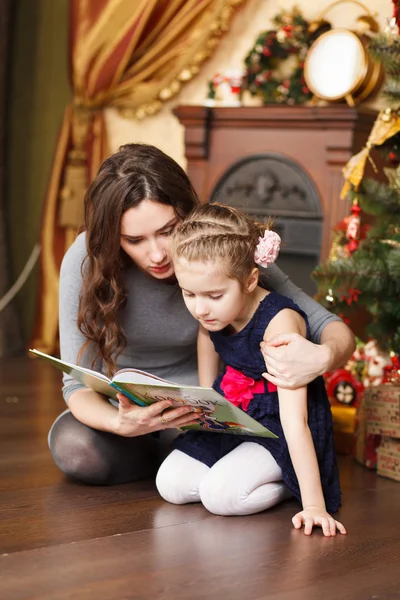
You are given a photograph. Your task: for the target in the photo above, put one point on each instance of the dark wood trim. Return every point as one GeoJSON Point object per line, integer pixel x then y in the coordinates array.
{"type": "Point", "coordinates": [277, 117]}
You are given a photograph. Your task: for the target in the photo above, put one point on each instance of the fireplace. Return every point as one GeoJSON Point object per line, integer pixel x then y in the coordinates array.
{"type": "Point", "coordinates": [270, 185]}
{"type": "Point", "coordinates": [279, 161]}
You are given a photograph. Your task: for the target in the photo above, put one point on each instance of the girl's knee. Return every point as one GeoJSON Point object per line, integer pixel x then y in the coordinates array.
{"type": "Point", "coordinates": [235, 499]}
{"type": "Point", "coordinates": [215, 496]}
{"type": "Point", "coordinates": [179, 477]}
{"type": "Point", "coordinates": [167, 483]}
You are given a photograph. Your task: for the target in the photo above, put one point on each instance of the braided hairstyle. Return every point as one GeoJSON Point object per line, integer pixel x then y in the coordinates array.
{"type": "Point", "coordinates": [219, 234]}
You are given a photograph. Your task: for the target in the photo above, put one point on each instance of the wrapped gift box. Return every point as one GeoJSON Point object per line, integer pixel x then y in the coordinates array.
{"type": "Point", "coordinates": [343, 427]}
{"type": "Point", "coordinates": [389, 458]}
{"type": "Point", "coordinates": [365, 444]}
{"type": "Point", "coordinates": [381, 405]}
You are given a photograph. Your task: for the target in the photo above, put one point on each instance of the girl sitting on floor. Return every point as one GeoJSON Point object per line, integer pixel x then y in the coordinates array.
{"type": "Point", "coordinates": [215, 253]}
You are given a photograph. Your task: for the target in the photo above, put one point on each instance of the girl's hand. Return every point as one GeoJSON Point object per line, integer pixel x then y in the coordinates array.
{"type": "Point", "coordinates": [133, 420]}
{"type": "Point", "coordinates": [315, 516]}
{"type": "Point", "coordinates": [292, 361]}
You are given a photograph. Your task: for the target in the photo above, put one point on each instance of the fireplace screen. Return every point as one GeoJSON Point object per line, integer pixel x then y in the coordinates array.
{"type": "Point", "coordinates": [266, 185]}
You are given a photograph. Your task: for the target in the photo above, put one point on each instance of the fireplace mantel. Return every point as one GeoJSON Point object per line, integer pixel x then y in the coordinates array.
{"type": "Point", "coordinates": [319, 139]}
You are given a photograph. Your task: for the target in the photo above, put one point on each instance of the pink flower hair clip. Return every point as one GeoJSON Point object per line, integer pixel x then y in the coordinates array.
{"type": "Point", "coordinates": [267, 249]}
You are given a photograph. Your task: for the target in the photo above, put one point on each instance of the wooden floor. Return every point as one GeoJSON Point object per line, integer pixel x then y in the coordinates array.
{"type": "Point", "coordinates": [63, 540]}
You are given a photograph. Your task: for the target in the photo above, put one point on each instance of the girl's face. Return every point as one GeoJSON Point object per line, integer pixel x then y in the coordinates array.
{"type": "Point", "coordinates": [145, 237]}
{"type": "Point", "coordinates": [213, 298]}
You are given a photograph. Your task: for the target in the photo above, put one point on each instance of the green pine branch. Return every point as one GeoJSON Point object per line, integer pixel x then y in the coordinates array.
{"type": "Point", "coordinates": [393, 263]}
{"type": "Point", "coordinates": [386, 50]}
{"type": "Point", "coordinates": [377, 198]}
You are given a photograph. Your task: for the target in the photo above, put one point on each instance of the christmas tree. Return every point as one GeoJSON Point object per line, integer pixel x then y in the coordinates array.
{"type": "Point", "coordinates": [362, 274]}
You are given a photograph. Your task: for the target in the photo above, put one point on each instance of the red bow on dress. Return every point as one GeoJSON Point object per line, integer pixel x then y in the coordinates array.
{"type": "Point", "coordinates": [240, 389]}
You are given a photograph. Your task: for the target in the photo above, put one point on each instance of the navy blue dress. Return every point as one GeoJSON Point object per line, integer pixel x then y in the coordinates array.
{"type": "Point", "coordinates": [241, 351]}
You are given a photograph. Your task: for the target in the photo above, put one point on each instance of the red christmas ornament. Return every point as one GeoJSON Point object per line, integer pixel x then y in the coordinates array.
{"type": "Point", "coordinates": [391, 373]}
{"type": "Point", "coordinates": [393, 158]}
{"type": "Point", "coordinates": [353, 232]}
{"type": "Point", "coordinates": [351, 296]}
{"type": "Point", "coordinates": [343, 387]}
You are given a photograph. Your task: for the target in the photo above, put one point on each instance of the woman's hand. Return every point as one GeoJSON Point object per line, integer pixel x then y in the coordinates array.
{"type": "Point", "coordinates": [292, 361]}
{"type": "Point", "coordinates": [312, 515]}
{"type": "Point", "coordinates": [132, 420]}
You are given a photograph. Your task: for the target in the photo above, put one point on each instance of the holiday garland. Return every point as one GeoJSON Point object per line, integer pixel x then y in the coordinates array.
{"type": "Point", "coordinates": [290, 38]}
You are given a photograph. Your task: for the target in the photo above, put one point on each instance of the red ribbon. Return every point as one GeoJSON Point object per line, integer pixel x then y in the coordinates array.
{"type": "Point", "coordinates": [240, 389]}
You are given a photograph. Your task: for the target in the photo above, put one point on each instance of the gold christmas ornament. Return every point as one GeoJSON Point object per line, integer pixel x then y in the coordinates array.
{"type": "Point", "coordinates": [333, 254]}
{"type": "Point", "coordinates": [386, 126]}
{"type": "Point", "coordinates": [338, 65]}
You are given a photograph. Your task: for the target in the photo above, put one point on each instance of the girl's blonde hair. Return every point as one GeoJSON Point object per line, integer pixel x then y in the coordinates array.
{"type": "Point", "coordinates": [219, 233]}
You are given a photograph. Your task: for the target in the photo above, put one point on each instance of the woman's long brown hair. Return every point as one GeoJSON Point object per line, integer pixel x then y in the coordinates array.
{"type": "Point", "coordinates": [135, 173]}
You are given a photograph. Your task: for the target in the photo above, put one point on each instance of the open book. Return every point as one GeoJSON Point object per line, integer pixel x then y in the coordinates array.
{"type": "Point", "coordinates": [214, 412]}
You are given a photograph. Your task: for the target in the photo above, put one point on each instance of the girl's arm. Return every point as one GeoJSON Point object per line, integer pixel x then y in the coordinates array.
{"type": "Point", "coordinates": [318, 317]}
{"type": "Point", "coordinates": [208, 359]}
{"type": "Point", "coordinates": [293, 361]}
{"type": "Point", "coordinates": [294, 419]}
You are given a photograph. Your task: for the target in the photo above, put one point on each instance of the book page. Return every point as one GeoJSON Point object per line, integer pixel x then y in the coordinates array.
{"type": "Point", "coordinates": [138, 376]}
{"type": "Point", "coordinates": [96, 381]}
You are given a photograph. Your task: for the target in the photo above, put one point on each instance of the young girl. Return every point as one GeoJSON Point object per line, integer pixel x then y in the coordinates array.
{"type": "Point", "coordinates": [215, 253]}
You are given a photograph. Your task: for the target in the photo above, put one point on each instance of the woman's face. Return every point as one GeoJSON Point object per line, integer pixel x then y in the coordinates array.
{"type": "Point", "coordinates": [145, 237]}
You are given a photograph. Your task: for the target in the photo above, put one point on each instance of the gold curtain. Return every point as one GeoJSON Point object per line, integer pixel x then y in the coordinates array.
{"type": "Point", "coordinates": [123, 54]}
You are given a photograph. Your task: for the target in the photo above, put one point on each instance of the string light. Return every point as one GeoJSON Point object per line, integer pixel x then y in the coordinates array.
{"type": "Point", "coordinates": [329, 297]}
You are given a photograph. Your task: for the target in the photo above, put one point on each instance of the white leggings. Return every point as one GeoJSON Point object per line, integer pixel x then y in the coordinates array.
{"type": "Point", "coordinates": [245, 481]}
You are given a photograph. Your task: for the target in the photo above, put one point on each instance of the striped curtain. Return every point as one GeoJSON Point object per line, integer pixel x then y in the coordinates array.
{"type": "Point", "coordinates": [131, 56]}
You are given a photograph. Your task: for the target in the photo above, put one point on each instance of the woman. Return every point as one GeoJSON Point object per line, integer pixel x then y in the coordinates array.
{"type": "Point", "coordinates": [120, 306]}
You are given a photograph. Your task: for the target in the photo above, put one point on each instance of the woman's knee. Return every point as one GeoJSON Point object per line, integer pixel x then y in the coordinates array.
{"type": "Point", "coordinates": [99, 457]}
{"type": "Point", "coordinates": [75, 453]}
